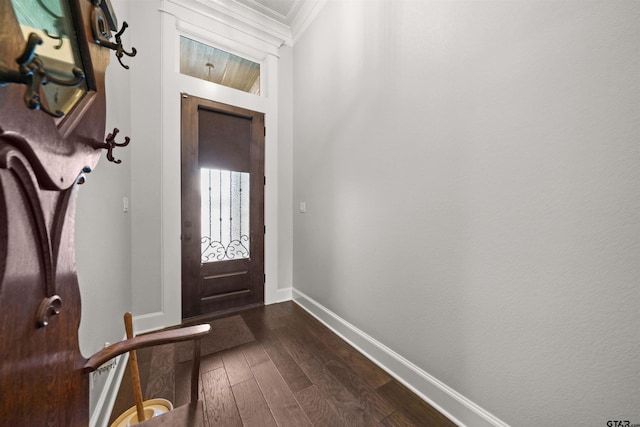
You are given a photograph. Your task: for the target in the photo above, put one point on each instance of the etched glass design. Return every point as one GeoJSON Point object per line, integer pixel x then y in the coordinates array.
{"type": "Point", "coordinates": [224, 215]}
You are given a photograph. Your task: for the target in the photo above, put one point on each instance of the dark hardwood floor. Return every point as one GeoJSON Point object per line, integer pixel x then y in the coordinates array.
{"type": "Point", "coordinates": [296, 372]}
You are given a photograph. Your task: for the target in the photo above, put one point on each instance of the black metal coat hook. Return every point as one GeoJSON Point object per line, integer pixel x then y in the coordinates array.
{"type": "Point", "coordinates": [33, 74]}
{"type": "Point", "coordinates": [110, 144]}
{"type": "Point", "coordinates": [102, 27]}
{"type": "Point", "coordinates": [120, 49]}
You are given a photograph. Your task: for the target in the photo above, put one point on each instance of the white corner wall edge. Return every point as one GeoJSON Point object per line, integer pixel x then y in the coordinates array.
{"type": "Point", "coordinates": [104, 406]}
{"type": "Point", "coordinates": [452, 404]}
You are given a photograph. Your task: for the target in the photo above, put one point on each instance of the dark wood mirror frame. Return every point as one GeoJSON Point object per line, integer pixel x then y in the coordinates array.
{"type": "Point", "coordinates": [44, 379]}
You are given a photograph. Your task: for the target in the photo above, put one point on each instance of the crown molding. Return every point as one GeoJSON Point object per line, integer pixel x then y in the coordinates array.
{"type": "Point", "coordinates": [266, 26]}
{"type": "Point", "coordinates": [305, 16]}
{"type": "Point", "coordinates": [237, 16]}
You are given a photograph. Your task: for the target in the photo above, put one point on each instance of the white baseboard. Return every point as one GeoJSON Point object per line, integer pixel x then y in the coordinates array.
{"type": "Point", "coordinates": [452, 404]}
{"type": "Point", "coordinates": [102, 412]}
{"type": "Point", "coordinates": [282, 295]}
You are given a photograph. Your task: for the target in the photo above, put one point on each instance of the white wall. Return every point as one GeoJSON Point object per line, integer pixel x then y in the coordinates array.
{"type": "Point", "coordinates": [285, 170]}
{"type": "Point", "coordinates": [471, 172]}
{"type": "Point", "coordinates": [103, 242]}
{"type": "Point", "coordinates": [146, 175]}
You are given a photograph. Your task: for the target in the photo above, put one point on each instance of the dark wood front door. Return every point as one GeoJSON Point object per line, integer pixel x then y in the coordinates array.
{"type": "Point", "coordinates": [222, 207]}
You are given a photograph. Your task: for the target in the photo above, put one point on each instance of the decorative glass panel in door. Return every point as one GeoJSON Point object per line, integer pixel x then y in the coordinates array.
{"type": "Point", "coordinates": [224, 215]}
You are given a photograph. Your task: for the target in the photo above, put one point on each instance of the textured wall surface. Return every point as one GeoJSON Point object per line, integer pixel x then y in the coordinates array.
{"type": "Point", "coordinates": [471, 173]}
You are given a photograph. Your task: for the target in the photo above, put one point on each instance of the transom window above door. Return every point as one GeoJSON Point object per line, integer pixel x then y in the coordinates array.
{"type": "Point", "coordinates": [208, 63]}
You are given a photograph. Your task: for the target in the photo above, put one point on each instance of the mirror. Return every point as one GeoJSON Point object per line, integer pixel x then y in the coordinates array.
{"type": "Point", "coordinates": [52, 21]}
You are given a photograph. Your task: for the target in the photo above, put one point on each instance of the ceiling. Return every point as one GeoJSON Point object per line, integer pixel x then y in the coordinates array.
{"type": "Point", "coordinates": [282, 11]}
